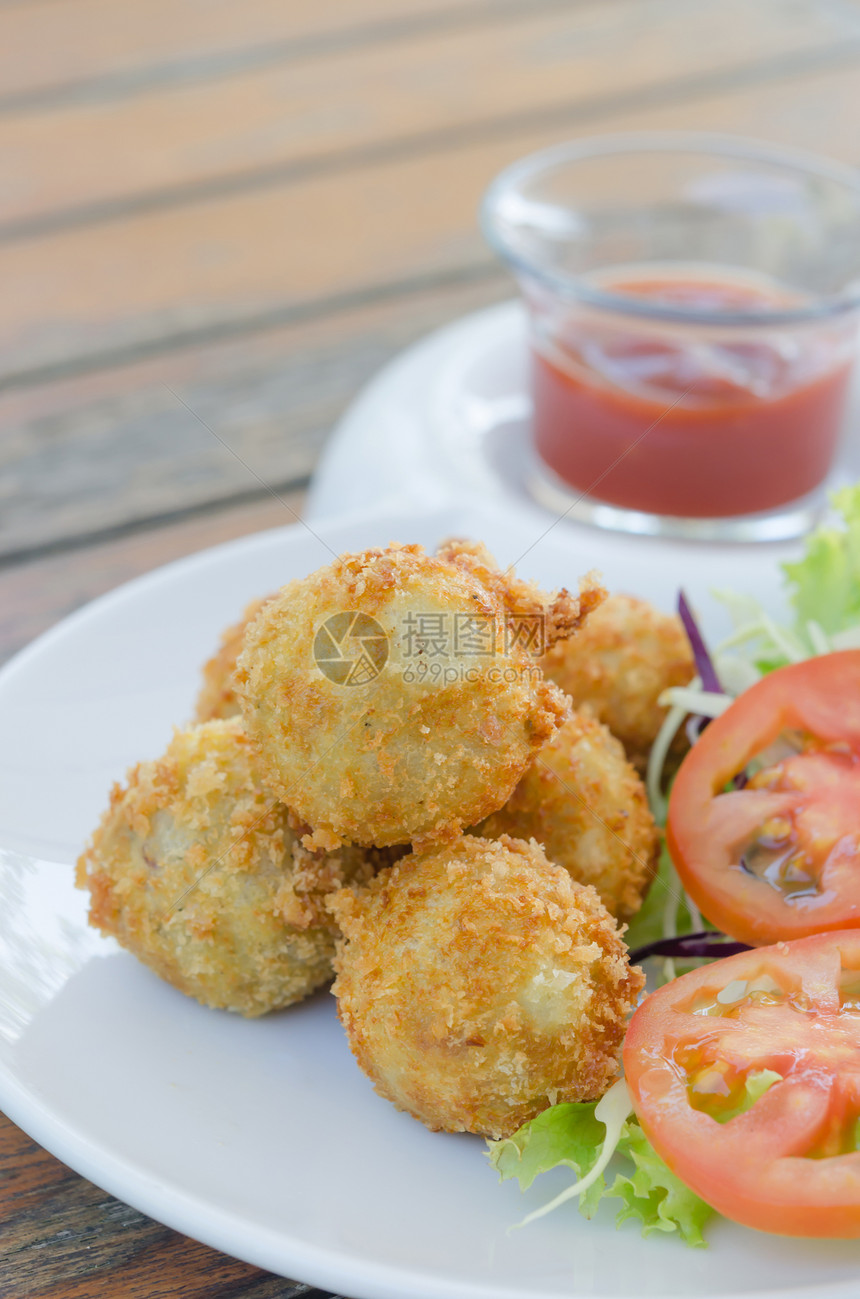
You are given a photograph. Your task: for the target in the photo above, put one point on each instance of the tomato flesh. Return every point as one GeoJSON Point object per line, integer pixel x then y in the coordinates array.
{"type": "Point", "coordinates": [790, 1013]}
{"type": "Point", "coordinates": [780, 857]}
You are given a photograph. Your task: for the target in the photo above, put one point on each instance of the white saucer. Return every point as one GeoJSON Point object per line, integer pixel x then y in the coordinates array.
{"type": "Point", "coordinates": [447, 422]}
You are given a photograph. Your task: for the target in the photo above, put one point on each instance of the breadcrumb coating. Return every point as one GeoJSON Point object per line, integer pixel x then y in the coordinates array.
{"type": "Point", "coordinates": [428, 739]}
{"type": "Point", "coordinates": [582, 800]}
{"type": "Point", "coordinates": [197, 870]}
{"type": "Point", "coordinates": [521, 599]}
{"type": "Point", "coordinates": [217, 697]}
{"type": "Point", "coordinates": [479, 984]}
{"type": "Point", "coordinates": [619, 664]}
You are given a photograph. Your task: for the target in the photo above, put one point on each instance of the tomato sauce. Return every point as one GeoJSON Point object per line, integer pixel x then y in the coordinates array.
{"type": "Point", "coordinates": [669, 420]}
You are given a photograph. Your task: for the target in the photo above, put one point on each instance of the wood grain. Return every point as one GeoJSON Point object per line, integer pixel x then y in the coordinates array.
{"type": "Point", "coordinates": [97, 47]}
{"type": "Point", "coordinates": [174, 276]}
{"type": "Point", "coordinates": [175, 141]}
{"type": "Point", "coordinates": [112, 449]}
{"type": "Point", "coordinates": [35, 595]}
{"type": "Point", "coordinates": [64, 1238]}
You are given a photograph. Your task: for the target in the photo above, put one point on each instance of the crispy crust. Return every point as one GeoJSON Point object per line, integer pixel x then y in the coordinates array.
{"type": "Point", "coordinates": [562, 613]}
{"type": "Point", "coordinates": [582, 800]}
{"type": "Point", "coordinates": [618, 665]}
{"type": "Point", "coordinates": [217, 697]}
{"type": "Point", "coordinates": [405, 756]}
{"type": "Point", "coordinates": [479, 984]}
{"type": "Point", "coordinates": [197, 870]}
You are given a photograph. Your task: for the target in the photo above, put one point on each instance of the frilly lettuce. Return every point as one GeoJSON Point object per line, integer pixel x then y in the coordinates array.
{"type": "Point", "coordinates": [823, 590]}
{"type": "Point", "coordinates": [570, 1136]}
{"type": "Point", "coordinates": [825, 585]}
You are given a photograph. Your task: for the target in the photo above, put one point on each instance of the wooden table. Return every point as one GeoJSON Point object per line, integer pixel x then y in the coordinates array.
{"type": "Point", "coordinates": [226, 217]}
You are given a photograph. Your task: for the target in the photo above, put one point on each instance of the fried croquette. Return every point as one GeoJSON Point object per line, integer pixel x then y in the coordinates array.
{"type": "Point", "coordinates": [479, 984]}
{"type": "Point", "coordinates": [389, 697]}
{"type": "Point", "coordinates": [196, 869]}
{"type": "Point", "coordinates": [217, 697]}
{"type": "Point", "coordinates": [582, 800]}
{"type": "Point", "coordinates": [619, 664]}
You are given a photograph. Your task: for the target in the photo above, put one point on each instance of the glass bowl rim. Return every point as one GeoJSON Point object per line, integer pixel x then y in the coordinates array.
{"type": "Point", "coordinates": [577, 288]}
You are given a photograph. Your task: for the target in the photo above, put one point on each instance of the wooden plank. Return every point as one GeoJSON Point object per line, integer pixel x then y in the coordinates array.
{"type": "Point", "coordinates": [117, 447]}
{"type": "Point", "coordinates": [171, 141]}
{"type": "Point", "coordinates": [101, 47]}
{"type": "Point", "coordinates": [254, 258]}
{"type": "Point", "coordinates": [64, 1238]}
{"type": "Point", "coordinates": [34, 596]}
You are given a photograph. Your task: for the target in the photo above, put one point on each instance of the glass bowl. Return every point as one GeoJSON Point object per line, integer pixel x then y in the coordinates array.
{"type": "Point", "coordinates": [693, 304]}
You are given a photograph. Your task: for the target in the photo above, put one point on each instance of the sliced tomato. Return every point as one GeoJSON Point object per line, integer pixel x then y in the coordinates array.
{"type": "Point", "coordinates": [785, 1018]}
{"type": "Point", "coordinates": [779, 857]}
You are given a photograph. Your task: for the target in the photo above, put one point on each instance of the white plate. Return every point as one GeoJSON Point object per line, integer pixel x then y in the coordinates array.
{"type": "Point", "coordinates": [449, 421]}
{"type": "Point", "coordinates": [263, 1138]}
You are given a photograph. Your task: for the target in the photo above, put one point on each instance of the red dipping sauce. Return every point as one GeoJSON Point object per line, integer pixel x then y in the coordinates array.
{"type": "Point", "coordinates": [692, 421]}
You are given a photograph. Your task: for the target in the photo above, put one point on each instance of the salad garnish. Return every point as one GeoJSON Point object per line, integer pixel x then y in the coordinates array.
{"type": "Point", "coordinates": [584, 1137]}
{"type": "Point", "coordinates": [823, 597]}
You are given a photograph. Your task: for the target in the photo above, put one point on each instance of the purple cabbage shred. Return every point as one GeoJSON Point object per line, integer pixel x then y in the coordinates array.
{"type": "Point", "coordinates": [704, 665]}
{"type": "Point", "coordinates": [709, 943]}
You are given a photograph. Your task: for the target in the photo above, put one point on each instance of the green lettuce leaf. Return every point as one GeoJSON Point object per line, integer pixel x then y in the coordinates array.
{"type": "Point", "coordinates": [647, 926]}
{"type": "Point", "coordinates": [824, 586]}
{"type": "Point", "coordinates": [823, 590]}
{"type": "Point", "coordinates": [654, 1195]}
{"type": "Point", "coordinates": [570, 1136]}
{"type": "Point", "coordinates": [566, 1136]}
{"type": "Point", "coordinates": [649, 923]}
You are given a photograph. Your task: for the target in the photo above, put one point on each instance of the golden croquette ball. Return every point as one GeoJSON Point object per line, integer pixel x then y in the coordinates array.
{"type": "Point", "coordinates": [479, 984]}
{"type": "Point", "coordinates": [217, 697]}
{"type": "Point", "coordinates": [196, 870]}
{"type": "Point", "coordinates": [582, 800]}
{"type": "Point", "coordinates": [388, 696]}
{"type": "Point", "coordinates": [619, 664]}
